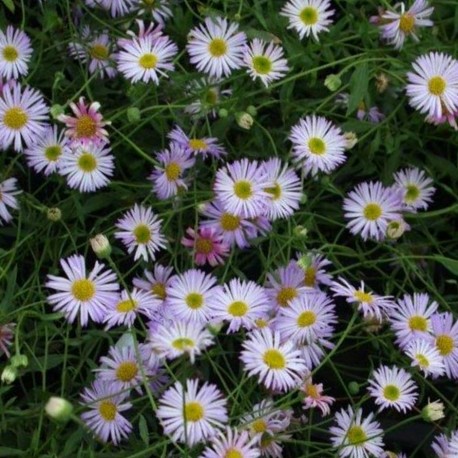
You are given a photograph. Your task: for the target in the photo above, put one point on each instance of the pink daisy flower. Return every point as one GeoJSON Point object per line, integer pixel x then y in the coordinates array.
{"type": "Point", "coordinates": [314, 397]}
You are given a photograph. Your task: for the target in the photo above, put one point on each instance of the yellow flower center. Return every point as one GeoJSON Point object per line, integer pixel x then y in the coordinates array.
{"type": "Point", "coordinates": [108, 410]}
{"type": "Point", "coordinates": [172, 171]}
{"type": "Point", "coordinates": [412, 193]}
{"type": "Point", "coordinates": [233, 453]}
{"type": "Point", "coordinates": [274, 359]}
{"type": "Point", "coordinates": [182, 343]}
{"type": "Point", "coordinates": [217, 47]}
{"type": "Point", "coordinates": [261, 323]}
{"type": "Point", "coordinates": [85, 127]}
{"type": "Point", "coordinates": [422, 360]}
{"type": "Point", "coordinates": [418, 323]}
{"type": "Point", "coordinates": [198, 144]}
{"type": "Point", "coordinates": [262, 65]}
{"type": "Point", "coordinates": [391, 392]}
{"type": "Point", "coordinates": [83, 290]}
{"type": "Point", "coordinates": [309, 15]}
{"type": "Point", "coordinates": [149, 2]}
{"type": "Point", "coordinates": [372, 212]}
{"type": "Point", "coordinates": [437, 85]}
{"type": "Point", "coordinates": [312, 391]}
{"type": "Point", "coordinates": [229, 222]}
{"type": "Point", "coordinates": [159, 290]}
{"type": "Point", "coordinates": [194, 300]}
{"type": "Point", "coordinates": [15, 118]}
{"type": "Point", "coordinates": [362, 296]}
{"type": "Point", "coordinates": [10, 53]}
{"type": "Point", "coordinates": [204, 246]}
{"type": "Point", "coordinates": [242, 189]}
{"type": "Point", "coordinates": [142, 234]}
{"type": "Point", "coordinates": [193, 411]}
{"type": "Point", "coordinates": [444, 344]}
{"type": "Point", "coordinates": [87, 162]}
{"type": "Point", "coordinates": [285, 295]}
{"type": "Point", "coordinates": [306, 319]}
{"type": "Point", "coordinates": [99, 52]}
{"type": "Point", "coordinates": [148, 61]}
{"type": "Point", "coordinates": [356, 435]}
{"type": "Point", "coordinates": [126, 306]}
{"type": "Point", "coordinates": [259, 426]}
{"type": "Point", "coordinates": [274, 191]}
{"type": "Point", "coordinates": [127, 371]}
{"type": "Point", "coordinates": [317, 146]}
{"type": "Point", "coordinates": [52, 153]}
{"type": "Point", "coordinates": [406, 23]}
{"type": "Point", "coordinates": [238, 308]}
{"type": "Point", "coordinates": [310, 276]}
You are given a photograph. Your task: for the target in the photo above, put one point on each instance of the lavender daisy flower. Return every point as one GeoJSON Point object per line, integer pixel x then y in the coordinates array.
{"type": "Point", "coordinates": [168, 177]}
{"type": "Point", "coordinates": [140, 232]}
{"type": "Point", "coordinates": [416, 187]}
{"type": "Point", "coordinates": [6, 337]}
{"type": "Point", "coordinates": [15, 53]}
{"type": "Point", "coordinates": [265, 61]}
{"type": "Point", "coordinates": [216, 48]}
{"type": "Point", "coordinates": [88, 295]}
{"type": "Point", "coordinates": [442, 445]}
{"type": "Point", "coordinates": [156, 282]}
{"type": "Point", "coordinates": [308, 17]}
{"type": "Point", "coordinates": [158, 9]}
{"type": "Point", "coordinates": [370, 207]}
{"type": "Point", "coordinates": [445, 332]}
{"type": "Point", "coordinates": [232, 443]}
{"type": "Point", "coordinates": [278, 366]}
{"type": "Point", "coordinates": [117, 8]}
{"type": "Point", "coordinates": [240, 303]}
{"type": "Point", "coordinates": [23, 114]}
{"type": "Point", "coordinates": [8, 193]}
{"type": "Point", "coordinates": [312, 352]}
{"type": "Point", "coordinates": [87, 166]}
{"type": "Point", "coordinates": [318, 145]}
{"type": "Point", "coordinates": [393, 387]}
{"type": "Point", "coordinates": [355, 436]}
{"type": "Point", "coordinates": [192, 414]}
{"type": "Point", "coordinates": [313, 266]}
{"type": "Point", "coordinates": [44, 155]}
{"type": "Point", "coordinates": [426, 357]}
{"type": "Point", "coordinates": [373, 115]}
{"type": "Point", "coordinates": [240, 187]}
{"type": "Point", "coordinates": [104, 417]}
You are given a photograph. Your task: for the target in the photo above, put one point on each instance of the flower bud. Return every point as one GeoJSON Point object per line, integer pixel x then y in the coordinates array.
{"type": "Point", "coordinates": [381, 82]}
{"type": "Point", "coordinates": [9, 375]}
{"type": "Point", "coordinates": [353, 387]}
{"type": "Point", "coordinates": [300, 231]}
{"type": "Point", "coordinates": [215, 328]}
{"type": "Point", "coordinates": [54, 214]}
{"type": "Point", "coordinates": [244, 120]}
{"type": "Point", "coordinates": [433, 411]}
{"type": "Point", "coordinates": [18, 361]}
{"type": "Point", "coordinates": [396, 228]}
{"type": "Point", "coordinates": [133, 114]}
{"type": "Point", "coordinates": [351, 139]}
{"type": "Point", "coordinates": [59, 409]}
{"type": "Point", "coordinates": [333, 82]}
{"type": "Point", "coordinates": [223, 113]}
{"type": "Point", "coordinates": [56, 111]}
{"type": "Point", "coordinates": [101, 246]}
{"type": "Point", "coordinates": [304, 262]}
{"type": "Point", "coordinates": [251, 110]}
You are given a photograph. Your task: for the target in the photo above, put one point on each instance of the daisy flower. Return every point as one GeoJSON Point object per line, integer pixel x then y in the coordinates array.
{"type": "Point", "coordinates": [124, 311]}
{"type": "Point", "coordinates": [355, 436]}
{"type": "Point", "coordinates": [318, 145]}
{"type": "Point", "coordinates": [87, 124]}
{"type": "Point", "coordinates": [370, 304]}
{"type": "Point", "coordinates": [215, 47]}
{"type": "Point", "coordinates": [168, 177]}
{"type": "Point", "coordinates": [278, 366]}
{"type": "Point", "coordinates": [87, 166]}
{"type": "Point", "coordinates": [23, 116]}
{"type": "Point", "coordinates": [159, 9]}
{"type": "Point", "coordinates": [6, 337]}
{"type": "Point", "coordinates": [44, 155]}
{"type": "Point", "coordinates": [433, 85]}
{"type": "Point", "coordinates": [15, 53]}
{"type": "Point", "coordinates": [240, 303]}
{"type": "Point", "coordinates": [88, 295]}
{"type": "Point", "coordinates": [308, 17]}
{"type": "Point", "coordinates": [285, 284]}
{"type": "Point", "coordinates": [156, 282]}
{"type": "Point", "coordinates": [104, 417]}
{"type": "Point", "coordinates": [306, 317]}
{"type": "Point", "coordinates": [145, 58]}
{"type": "Point", "coordinates": [117, 8]}
{"type": "Point", "coordinates": [416, 187]}
{"type": "Point", "coordinates": [232, 444]}
{"type": "Point", "coordinates": [313, 266]}
{"type": "Point", "coordinates": [207, 244]}
{"type": "Point", "coordinates": [265, 61]}
{"type": "Point", "coordinates": [140, 232]}
{"type": "Point", "coordinates": [314, 397]}
{"type": "Point", "coordinates": [197, 145]}
{"type": "Point", "coordinates": [426, 357]}
{"type": "Point", "coordinates": [396, 26]}
{"type": "Point", "coordinates": [393, 387]}
{"type": "Point", "coordinates": [370, 207]}
{"type": "Point", "coordinates": [410, 319]}
{"type": "Point", "coordinates": [8, 193]}
{"type": "Point", "coordinates": [445, 332]}
{"type": "Point", "coordinates": [180, 338]}
{"type": "Point", "coordinates": [240, 187]}
{"type": "Point", "coordinates": [192, 414]}
{"type": "Point", "coordinates": [191, 296]}
{"type": "Point", "coordinates": [373, 114]}
{"type": "Point", "coordinates": [441, 445]}
{"type": "Point", "coordinates": [286, 191]}
{"type": "Point", "coordinates": [312, 352]}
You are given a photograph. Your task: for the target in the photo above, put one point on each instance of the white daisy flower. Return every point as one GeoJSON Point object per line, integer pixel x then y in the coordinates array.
{"type": "Point", "coordinates": [140, 232]}
{"type": "Point", "coordinates": [216, 48]}
{"type": "Point", "coordinates": [318, 145]}
{"type": "Point", "coordinates": [232, 444]}
{"type": "Point", "coordinates": [87, 166]}
{"type": "Point", "coordinates": [426, 357]}
{"type": "Point", "coordinates": [8, 193]}
{"type": "Point", "coordinates": [416, 187]}
{"type": "Point", "coordinates": [265, 61]}
{"type": "Point", "coordinates": [308, 17]}
{"type": "Point", "coordinates": [15, 53]}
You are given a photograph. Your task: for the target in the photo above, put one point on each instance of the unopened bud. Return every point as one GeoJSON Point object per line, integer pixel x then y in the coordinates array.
{"type": "Point", "coordinates": [353, 387]}
{"type": "Point", "coordinates": [202, 206]}
{"type": "Point", "coordinates": [396, 228]}
{"type": "Point", "coordinates": [133, 114]}
{"type": "Point", "coordinates": [59, 409]}
{"type": "Point", "coordinates": [381, 82]}
{"type": "Point", "coordinates": [304, 262]}
{"type": "Point", "coordinates": [244, 120]}
{"type": "Point", "coordinates": [56, 111]}
{"type": "Point", "coordinates": [101, 246]}
{"type": "Point", "coordinates": [54, 214]}
{"type": "Point", "coordinates": [300, 231]}
{"type": "Point", "coordinates": [251, 110]}
{"type": "Point", "coordinates": [18, 361]}
{"type": "Point", "coordinates": [223, 113]}
{"type": "Point", "coordinates": [433, 411]}
{"type": "Point", "coordinates": [351, 139]}
{"type": "Point", "coordinates": [9, 375]}
{"type": "Point", "coordinates": [333, 82]}
{"type": "Point", "coordinates": [215, 328]}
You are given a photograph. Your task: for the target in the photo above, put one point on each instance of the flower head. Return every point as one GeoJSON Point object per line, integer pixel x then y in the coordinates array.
{"type": "Point", "coordinates": [426, 357]}
{"type": "Point", "coordinates": [15, 53]}
{"type": "Point", "coordinates": [8, 193]}
{"type": "Point", "coordinates": [156, 281]}
{"type": "Point", "coordinates": [232, 444]}
{"type": "Point", "coordinates": [6, 337]}
{"type": "Point", "coordinates": [314, 397]}
{"type": "Point", "coordinates": [416, 187]}
{"type": "Point", "coordinates": [445, 332]}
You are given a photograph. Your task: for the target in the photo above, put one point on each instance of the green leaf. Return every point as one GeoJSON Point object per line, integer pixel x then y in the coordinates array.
{"type": "Point", "coordinates": [448, 263]}
{"type": "Point", "coordinates": [10, 5]}
{"type": "Point", "coordinates": [143, 429]}
{"type": "Point", "coordinates": [359, 83]}
{"type": "Point", "coordinates": [7, 451]}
